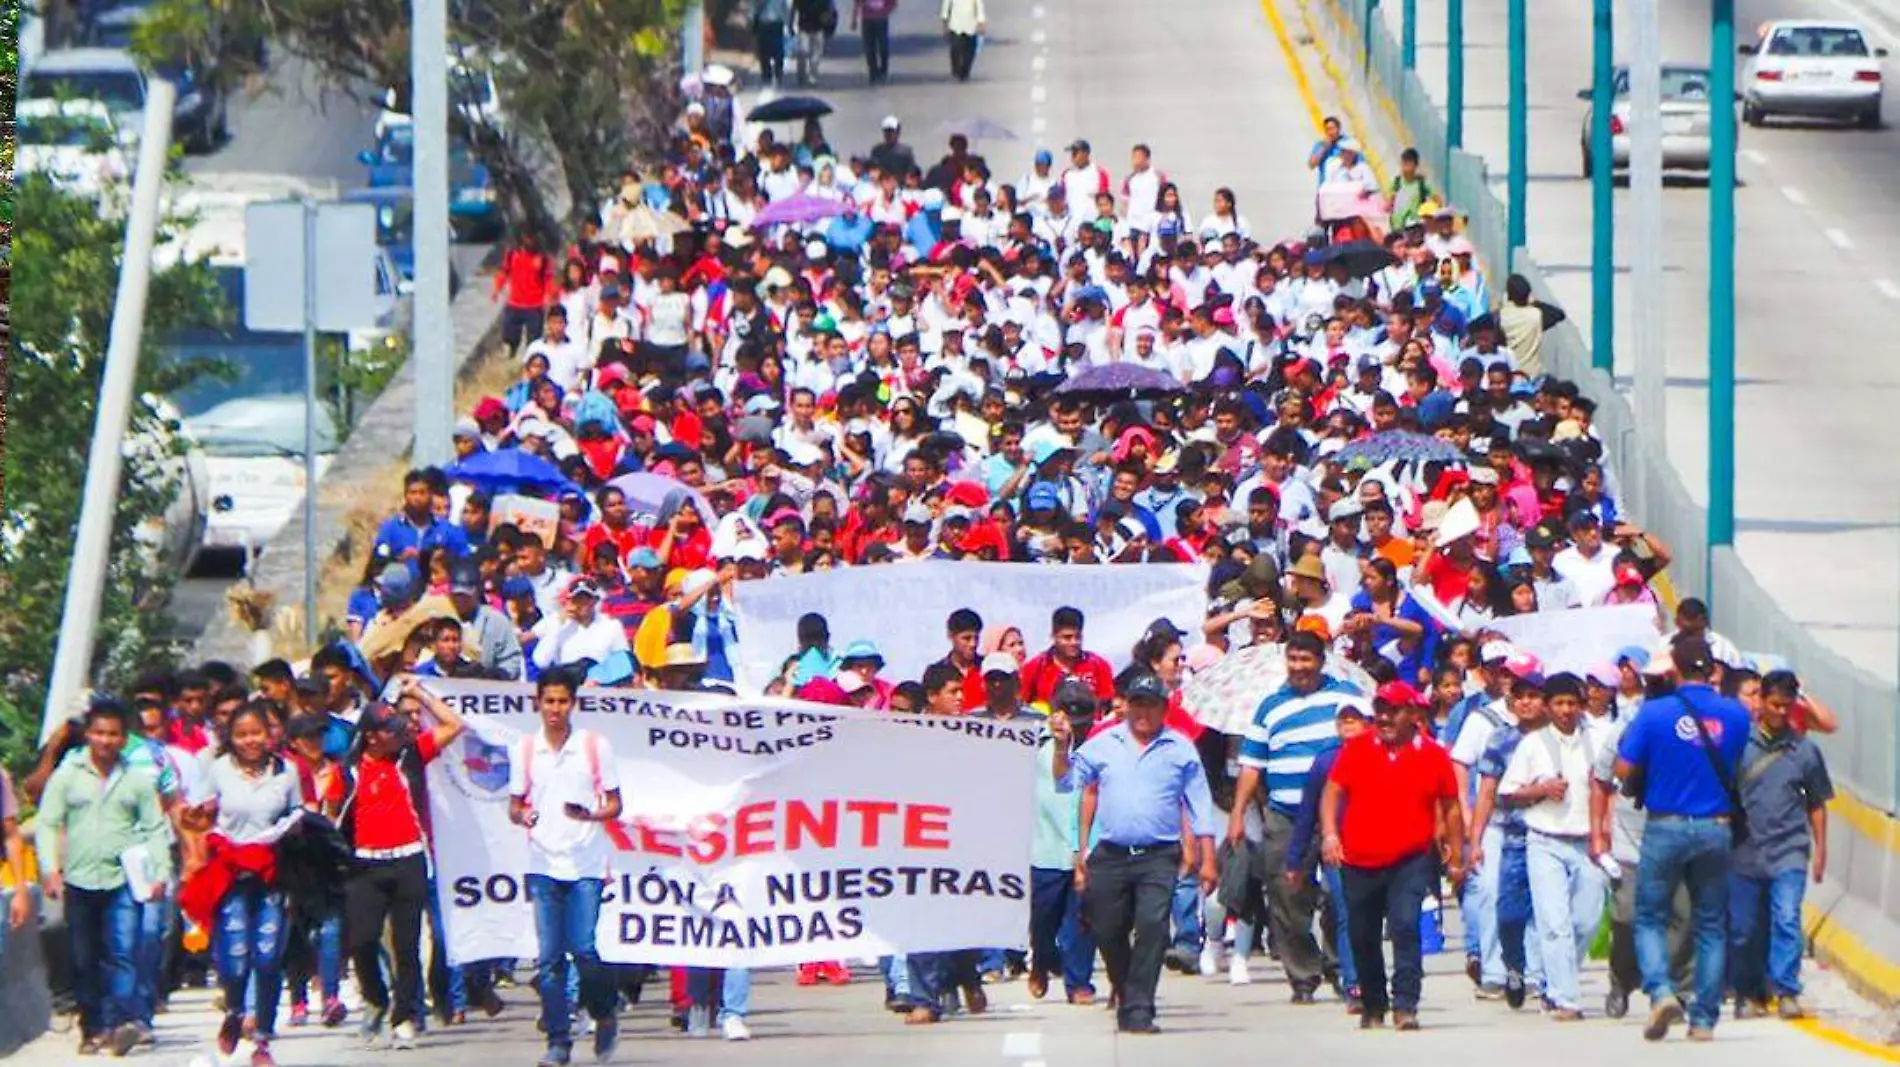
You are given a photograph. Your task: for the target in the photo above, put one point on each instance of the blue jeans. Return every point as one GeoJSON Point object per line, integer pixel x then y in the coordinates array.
{"type": "Point", "coordinates": [247, 944]}
{"type": "Point", "coordinates": [1764, 934]}
{"type": "Point", "coordinates": [934, 975]}
{"type": "Point", "coordinates": [1515, 919]}
{"type": "Point", "coordinates": [103, 925]}
{"type": "Point", "coordinates": [148, 958]}
{"type": "Point", "coordinates": [1186, 906]}
{"type": "Point", "coordinates": [1056, 935]}
{"type": "Point", "coordinates": [565, 914]}
{"type": "Point", "coordinates": [1567, 891]}
{"type": "Point", "coordinates": [446, 984]}
{"type": "Point", "coordinates": [1480, 906]}
{"type": "Point", "coordinates": [735, 990]}
{"type": "Point", "coordinates": [896, 971]}
{"type": "Point", "coordinates": [325, 951]}
{"type": "Point", "coordinates": [1694, 852]}
{"type": "Point", "coordinates": [1342, 929]}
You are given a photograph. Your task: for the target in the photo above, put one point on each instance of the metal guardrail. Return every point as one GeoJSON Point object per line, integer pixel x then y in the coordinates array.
{"type": "Point", "coordinates": [1863, 753]}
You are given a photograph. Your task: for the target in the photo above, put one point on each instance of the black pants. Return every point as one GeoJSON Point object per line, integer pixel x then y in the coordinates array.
{"type": "Point", "coordinates": [520, 325]}
{"type": "Point", "coordinates": [770, 39]}
{"type": "Point", "coordinates": [877, 48]}
{"type": "Point", "coordinates": [392, 891]}
{"type": "Point", "coordinates": [1129, 898]}
{"type": "Point", "coordinates": [1382, 900]}
{"type": "Point", "coordinates": [962, 55]}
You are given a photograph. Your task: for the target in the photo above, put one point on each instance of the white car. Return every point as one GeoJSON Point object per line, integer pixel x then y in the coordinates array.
{"type": "Point", "coordinates": [1812, 70]}
{"type": "Point", "coordinates": [75, 143]}
{"type": "Point", "coordinates": [253, 455]}
{"type": "Point", "coordinates": [471, 91]}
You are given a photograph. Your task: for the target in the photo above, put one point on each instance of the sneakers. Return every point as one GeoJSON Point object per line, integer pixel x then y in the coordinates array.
{"type": "Point", "coordinates": [1404, 1020]}
{"type": "Point", "coordinates": [403, 1036]}
{"type": "Point", "coordinates": [808, 974]}
{"type": "Point", "coordinates": [735, 1029]}
{"type": "Point", "coordinates": [606, 1039]}
{"type": "Point", "coordinates": [1237, 972]}
{"type": "Point", "coordinates": [1514, 990]}
{"type": "Point", "coordinates": [1791, 1008]}
{"type": "Point", "coordinates": [1180, 961]}
{"type": "Point", "coordinates": [261, 1057]}
{"type": "Point", "coordinates": [1304, 996]}
{"type": "Point", "coordinates": [124, 1039]}
{"type": "Point", "coordinates": [1210, 959]}
{"type": "Point", "coordinates": [835, 973]}
{"type": "Point", "coordinates": [372, 1028]}
{"type": "Point", "coordinates": [975, 1001]}
{"type": "Point", "coordinates": [299, 1015]}
{"type": "Point", "coordinates": [1661, 1017]}
{"type": "Point", "coordinates": [1745, 1008]}
{"type": "Point", "coordinates": [555, 1056]}
{"type": "Point", "coordinates": [698, 1021]}
{"type": "Point", "coordinates": [1701, 1033]}
{"type": "Point", "coordinates": [229, 1034]}
{"type": "Point", "coordinates": [1616, 1003]}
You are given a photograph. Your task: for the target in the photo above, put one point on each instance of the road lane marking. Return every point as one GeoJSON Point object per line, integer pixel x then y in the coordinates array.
{"type": "Point", "coordinates": [1038, 11]}
{"type": "Point", "coordinates": [1839, 238]}
{"type": "Point", "coordinates": [1038, 37]}
{"type": "Point", "coordinates": [1887, 288]}
{"type": "Point", "coordinates": [1038, 63]}
{"type": "Point", "coordinates": [1038, 93]}
{"type": "Point", "coordinates": [1293, 64]}
{"type": "Point", "coordinates": [1038, 124]}
{"type": "Point", "coordinates": [1795, 196]}
{"type": "Point", "coordinates": [1759, 159]}
{"type": "Point", "coordinates": [1021, 1044]}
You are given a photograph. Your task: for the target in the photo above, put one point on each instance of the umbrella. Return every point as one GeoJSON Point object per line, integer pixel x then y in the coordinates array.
{"type": "Point", "coordinates": [976, 128]}
{"type": "Point", "coordinates": [1118, 381]}
{"type": "Point", "coordinates": [510, 470]}
{"type": "Point", "coordinates": [1397, 445]}
{"type": "Point", "coordinates": [647, 493]}
{"type": "Point", "coordinates": [1362, 258]}
{"type": "Point", "coordinates": [645, 224]}
{"type": "Point", "coordinates": [789, 109]}
{"type": "Point", "coordinates": [799, 209]}
{"type": "Point", "coordinates": [1225, 696]}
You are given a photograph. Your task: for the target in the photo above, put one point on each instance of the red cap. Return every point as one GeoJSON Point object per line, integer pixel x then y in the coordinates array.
{"type": "Point", "coordinates": [1399, 695]}
{"type": "Point", "coordinates": [1629, 574]}
{"type": "Point", "coordinates": [489, 408]}
{"type": "Point", "coordinates": [968, 494]}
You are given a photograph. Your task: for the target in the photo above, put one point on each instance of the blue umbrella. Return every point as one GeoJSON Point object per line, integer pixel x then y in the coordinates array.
{"type": "Point", "coordinates": [1397, 445]}
{"type": "Point", "coordinates": [510, 470]}
{"type": "Point", "coordinates": [1120, 381]}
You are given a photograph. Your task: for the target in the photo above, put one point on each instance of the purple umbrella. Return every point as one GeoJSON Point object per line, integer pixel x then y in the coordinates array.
{"type": "Point", "coordinates": [647, 493]}
{"type": "Point", "coordinates": [798, 209]}
{"type": "Point", "coordinates": [1120, 381]}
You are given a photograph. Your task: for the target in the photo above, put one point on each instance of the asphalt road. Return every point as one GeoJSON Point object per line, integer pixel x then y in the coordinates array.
{"type": "Point", "coordinates": [1817, 295]}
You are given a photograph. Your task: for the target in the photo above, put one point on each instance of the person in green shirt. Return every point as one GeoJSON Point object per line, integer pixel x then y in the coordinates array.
{"type": "Point", "coordinates": [1409, 190]}
{"type": "Point", "coordinates": [101, 834]}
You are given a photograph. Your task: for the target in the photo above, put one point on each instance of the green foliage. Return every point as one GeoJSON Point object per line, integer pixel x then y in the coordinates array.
{"type": "Point", "coordinates": [68, 257]}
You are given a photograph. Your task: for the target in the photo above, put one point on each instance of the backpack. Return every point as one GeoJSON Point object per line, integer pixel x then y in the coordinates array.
{"type": "Point", "coordinates": [590, 747]}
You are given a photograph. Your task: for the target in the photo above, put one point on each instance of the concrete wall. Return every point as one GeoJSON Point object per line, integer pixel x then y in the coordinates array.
{"type": "Point", "coordinates": [26, 1005]}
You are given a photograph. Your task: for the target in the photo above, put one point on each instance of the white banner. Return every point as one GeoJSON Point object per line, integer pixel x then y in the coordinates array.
{"type": "Point", "coordinates": [752, 833]}
{"type": "Point", "coordinates": [1578, 639]}
{"type": "Point", "coordinates": [903, 608]}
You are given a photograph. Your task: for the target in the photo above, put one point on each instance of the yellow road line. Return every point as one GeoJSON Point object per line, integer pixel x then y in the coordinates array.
{"type": "Point", "coordinates": [1384, 98]}
{"type": "Point", "coordinates": [1293, 64]}
{"type": "Point", "coordinates": [1834, 1036]}
{"type": "Point", "coordinates": [1340, 86]}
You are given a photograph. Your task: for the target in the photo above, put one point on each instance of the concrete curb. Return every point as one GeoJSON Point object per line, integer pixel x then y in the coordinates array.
{"type": "Point", "coordinates": [26, 1004]}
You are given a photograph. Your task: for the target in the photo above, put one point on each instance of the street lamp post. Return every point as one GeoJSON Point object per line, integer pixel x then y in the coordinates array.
{"type": "Point", "coordinates": [1454, 80]}
{"type": "Point", "coordinates": [1408, 34]}
{"type": "Point", "coordinates": [1602, 193]}
{"type": "Point", "coordinates": [1721, 274]}
{"type": "Point", "coordinates": [1520, 131]}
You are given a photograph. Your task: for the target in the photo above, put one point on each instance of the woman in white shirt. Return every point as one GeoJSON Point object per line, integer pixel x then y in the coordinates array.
{"type": "Point", "coordinates": [581, 637]}
{"type": "Point", "coordinates": [1226, 218]}
{"type": "Point", "coordinates": [669, 321]}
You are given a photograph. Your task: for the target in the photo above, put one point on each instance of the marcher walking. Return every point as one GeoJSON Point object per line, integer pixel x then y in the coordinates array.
{"type": "Point", "coordinates": [1138, 777]}
{"type": "Point", "coordinates": [872, 19]}
{"type": "Point", "coordinates": [1059, 940]}
{"type": "Point", "coordinates": [963, 23]}
{"type": "Point", "coordinates": [1389, 812]}
{"type": "Point", "coordinates": [768, 38]}
{"type": "Point", "coordinates": [813, 23]}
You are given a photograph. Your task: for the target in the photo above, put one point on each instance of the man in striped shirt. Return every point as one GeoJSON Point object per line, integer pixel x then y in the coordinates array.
{"type": "Point", "coordinates": [1294, 725]}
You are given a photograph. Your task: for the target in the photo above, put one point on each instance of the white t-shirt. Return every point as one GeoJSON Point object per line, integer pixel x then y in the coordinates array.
{"type": "Point", "coordinates": [1590, 577]}
{"type": "Point", "coordinates": [1547, 753]}
{"type": "Point", "coordinates": [1476, 734]}
{"type": "Point", "coordinates": [562, 641]}
{"type": "Point", "coordinates": [581, 772]}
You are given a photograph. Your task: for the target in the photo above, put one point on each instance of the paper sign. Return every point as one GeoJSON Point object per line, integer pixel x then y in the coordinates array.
{"type": "Point", "coordinates": [541, 518]}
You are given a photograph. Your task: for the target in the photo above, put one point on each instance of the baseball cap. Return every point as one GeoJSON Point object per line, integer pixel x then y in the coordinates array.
{"type": "Point", "coordinates": [1043, 156]}
{"type": "Point", "coordinates": [582, 585]}
{"type": "Point", "coordinates": [394, 580]}
{"type": "Point", "coordinates": [1345, 511]}
{"type": "Point", "coordinates": [890, 123]}
{"type": "Point", "coordinates": [916, 514]}
{"type": "Point", "coordinates": [1629, 574]}
{"type": "Point", "coordinates": [1072, 694]}
{"type": "Point", "coordinates": [1484, 476]}
{"type": "Point", "coordinates": [1544, 535]}
{"type": "Point", "coordinates": [1495, 652]}
{"type": "Point", "coordinates": [1078, 145]}
{"type": "Point", "coordinates": [465, 577]}
{"type": "Point", "coordinates": [999, 663]}
{"type": "Point", "coordinates": [1043, 495]}
{"type": "Point", "coordinates": [803, 453]}
{"type": "Point", "coordinates": [643, 557]}
{"type": "Point", "coordinates": [1397, 694]}
{"type": "Point", "coordinates": [1146, 687]}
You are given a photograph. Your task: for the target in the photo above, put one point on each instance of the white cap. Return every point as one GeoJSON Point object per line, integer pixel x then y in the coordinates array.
{"type": "Point", "coordinates": [890, 123]}
{"type": "Point", "coordinates": [1484, 476]}
{"type": "Point", "coordinates": [1345, 510]}
{"type": "Point", "coordinates": [999, 663]}
{"type": "Point", "coordinates": [816, 249]}
{"type": "Point", "coordinates": [952, 214]}
{"type": "Point", "coordinates": [851, 682]}
{"type": "Point", "coordinates": [803, 453]}
{"type": "Point", "coordinates": [1494, 651]}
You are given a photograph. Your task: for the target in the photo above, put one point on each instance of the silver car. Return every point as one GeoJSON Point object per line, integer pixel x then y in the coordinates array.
{"type": "Point", "coordinates": [1684, 119]}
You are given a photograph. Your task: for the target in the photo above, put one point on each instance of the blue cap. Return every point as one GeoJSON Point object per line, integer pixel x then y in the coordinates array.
{"type": "Point", "coordinates": [862, 649]}
{"type": "Point", "coordinates": [516, 588]}
{"type": "Point", "coordinates": [1043, 495]}
{"type": "Point", "coordinates": [1146, 687]}
{"type": "Point", "coordinates": [1045, 450]}
{"type": "Point", "coordinates": [643, 557]}
{"type": "Point", "coordinates": [1633, 654]}
{"type": "Point", "coordinates": [1043, 156]}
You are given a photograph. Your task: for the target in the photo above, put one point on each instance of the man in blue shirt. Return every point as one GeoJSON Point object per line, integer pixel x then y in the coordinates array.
{"type": "Point", "coordinates": [403, 536]}
{"type": "Point", "coordinates": [1292, 728]}
{"type": "Point", "coordinates": [1139, 780]}
{"type": "Point", "coordinates": [1686, 747]}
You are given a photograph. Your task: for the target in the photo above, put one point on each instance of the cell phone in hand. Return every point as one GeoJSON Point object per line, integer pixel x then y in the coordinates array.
{"type": "Point", "coordinates": [576, 811]}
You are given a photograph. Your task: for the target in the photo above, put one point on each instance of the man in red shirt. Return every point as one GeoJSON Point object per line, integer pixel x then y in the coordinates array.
{"type": "Point", "coordinates": [1392, 795]}
{"type": "Point", "coordinates": [1064, 658]}
{"type": "Point", "coordinates": [527, 275]}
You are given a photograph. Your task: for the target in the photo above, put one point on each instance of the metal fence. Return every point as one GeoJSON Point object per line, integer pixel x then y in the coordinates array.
{"type": "Point", "coordinates": [1862, 754]}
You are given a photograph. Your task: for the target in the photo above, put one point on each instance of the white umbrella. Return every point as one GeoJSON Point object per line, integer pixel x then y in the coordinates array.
{"type": "Point", "coordinates": [1225, 696]}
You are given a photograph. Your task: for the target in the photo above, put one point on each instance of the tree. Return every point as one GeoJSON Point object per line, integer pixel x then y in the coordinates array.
{"type": "Point", "coordinates": [68, 256]}
{"type": "Point", "coordinates": [585, 85]}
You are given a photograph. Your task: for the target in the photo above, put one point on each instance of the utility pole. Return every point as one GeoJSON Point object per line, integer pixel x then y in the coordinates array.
{"type": "Point", "coordinates": [1455, 81]}
{"type": "Point", "coordinates": [1646, 220]}
{"type": "Point", "coordinates": [1408, 34]}
{"type": "Point", "coordinates": [434, 332]}
{"type": "Point", "coordinates": [1721, 275]}
{"type": "Point", "coordinates": [92, 543]}
{"type": "Point", "coordinates": [1602, 192]}
{"type": "Point", "coordinates": [1515, 221]}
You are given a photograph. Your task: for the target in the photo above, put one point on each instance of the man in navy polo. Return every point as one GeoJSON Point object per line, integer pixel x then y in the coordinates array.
{"type": "Point", "coordinates": [1686, 747]}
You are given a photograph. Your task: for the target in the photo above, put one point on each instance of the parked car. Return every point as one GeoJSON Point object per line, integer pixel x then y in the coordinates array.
{"type": "Point", "coordinates": [114, 78]}
{"type": "Point", "coordinates": [201, 121]}
{"type": "Point", "coordinates": [75, 143]}
{"type": "Point", "coordinates": [1684, 119]}
{"type": "Point", "coordinates": [474, 207]}
{"type": "Point", "coordinates": [396, 231]}
{"type": "Point", "coordinates": [472, 92]}
{"type": "Point", "coordinates": [1812, 70]}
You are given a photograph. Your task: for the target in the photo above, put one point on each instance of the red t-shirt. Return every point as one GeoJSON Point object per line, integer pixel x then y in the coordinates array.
{"type": "Point", "coordinates": [1391, 803]}
{"type": "Point", "coordinates": [1042, 674]}
{"type": "Point", "coordinates": [386, 815]}
{"type": "Point", "coordinates": [1448, 580]}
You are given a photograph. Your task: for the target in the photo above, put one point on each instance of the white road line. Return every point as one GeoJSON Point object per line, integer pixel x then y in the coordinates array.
{"type": "Point", "coordinates": [1887, 288]}
{"type": "Point", "coordinates": [1795, 196]}
{"type": "Point", "coordinates": [1038, 63]}
{"type": "Point", "coordinates": [1038, 37]}
{"type": "Point", "coordinates": [1038, 11]}
{"type": "Point", "coordinates": [1021, 1044]}
{"type": "Point", "coordinates": [1038, 93]}
{"type": "Point", "coordinates": [1760, 159]}
{"type": "Point", "coordinates": [1038, 124]}
{"type": "Point", "coordinates": [1035, 1063]}
{"type": "Point", "coordinates": [1839, 238]}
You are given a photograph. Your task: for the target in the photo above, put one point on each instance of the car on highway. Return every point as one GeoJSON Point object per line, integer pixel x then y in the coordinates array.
{"type": "Point", "coordinates": [1684, 119]}
{"type": "Point", "coordinates": [474, 205]}
{"type": "Point", "coordinates": [75, 143]}
{"type": "Point", "coordinates": [1809, 69]}
{"type": "Point", "coordinates": [246, 417]}
{"type": "Point", "coordinates": [114, 78]}
{"type": "Point", "coordinates": [396, 232]}
{"type": "Point", "coordinates": [201, 121]}
{"type": "Point", "coordinates": [472, 92]}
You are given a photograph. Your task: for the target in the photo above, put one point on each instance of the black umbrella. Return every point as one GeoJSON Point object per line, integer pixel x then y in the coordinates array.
{"type": "Point", "coordinates": [789, 109]}
{"type": "Point", "coordinates": [1363, 259]}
